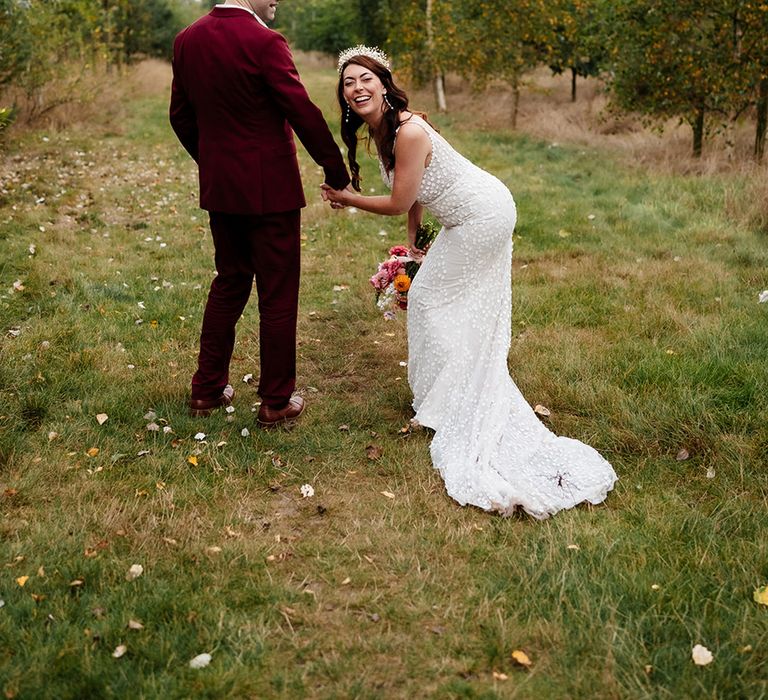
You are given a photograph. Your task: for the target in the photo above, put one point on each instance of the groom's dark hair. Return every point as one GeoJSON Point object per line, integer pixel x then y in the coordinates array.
{"type": "Point", "coordinates": [384, 136]}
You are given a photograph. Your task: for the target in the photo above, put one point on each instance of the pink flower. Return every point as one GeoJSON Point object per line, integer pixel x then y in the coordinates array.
{"type": "Point", "coordinates": [399, 251]}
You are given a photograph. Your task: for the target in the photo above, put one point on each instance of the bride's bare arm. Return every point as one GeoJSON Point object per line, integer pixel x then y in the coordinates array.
{"type": "Point", "coordinates": [412, 149]}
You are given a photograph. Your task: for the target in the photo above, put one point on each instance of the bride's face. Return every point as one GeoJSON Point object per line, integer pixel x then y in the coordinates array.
{"type": "Point", "coordinates": [364, 92]}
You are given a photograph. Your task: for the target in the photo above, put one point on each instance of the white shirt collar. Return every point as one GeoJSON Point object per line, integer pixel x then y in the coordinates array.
{"type": "Point", "coordinates": [249, 11]}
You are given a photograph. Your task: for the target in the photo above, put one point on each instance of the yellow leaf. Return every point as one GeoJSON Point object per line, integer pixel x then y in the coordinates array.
{"type": "Point", "coordinates": [93, 451]}
{"type": "Point", "coordinates": [192, 460]}
{"type": "Point", "coordinates": [761, 595]}
{"type": "Point", "coordinates": [521, 658]}
{"type": "Point", "coordinates": [22, 580]}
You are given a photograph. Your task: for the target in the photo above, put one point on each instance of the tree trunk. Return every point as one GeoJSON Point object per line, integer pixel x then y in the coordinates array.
{"type": "Point", "coordinates": [515, 103]}
{"type": "Point", "coordinates": [762, 119]}
{"type": "Point", "coordinates": [698, 133]}
{"type": "Point", "coordinates": [573, 85]}
{"type": "Point", "coordinates": [442, 105]}
{"type": "Point", "coordinates": [439, 78]}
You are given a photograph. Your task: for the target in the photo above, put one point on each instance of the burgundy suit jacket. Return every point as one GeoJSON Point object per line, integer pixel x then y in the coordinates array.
{"type": "Point", "coordinates": [236, 100]}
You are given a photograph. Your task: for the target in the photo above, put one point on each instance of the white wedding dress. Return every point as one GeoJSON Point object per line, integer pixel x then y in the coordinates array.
{"type": "Point", "coordinates": [489, 446]}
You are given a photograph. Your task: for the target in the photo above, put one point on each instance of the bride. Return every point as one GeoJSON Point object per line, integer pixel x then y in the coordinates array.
{"type": "Point", "coordinates": [489, 446]}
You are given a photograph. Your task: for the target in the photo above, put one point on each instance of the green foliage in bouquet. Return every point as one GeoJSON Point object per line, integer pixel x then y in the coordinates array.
{"type": "Point", "coordinates": [425, 236]}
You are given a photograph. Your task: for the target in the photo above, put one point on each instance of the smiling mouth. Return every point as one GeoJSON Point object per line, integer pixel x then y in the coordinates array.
{"type": "Point", "coordinates": [362, 100]}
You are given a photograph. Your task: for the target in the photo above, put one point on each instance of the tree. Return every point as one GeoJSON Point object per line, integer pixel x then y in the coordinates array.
{"type": "Point", "coordinates": [577, 47]}
{"type": "Point", "coordinates": [684, 59]}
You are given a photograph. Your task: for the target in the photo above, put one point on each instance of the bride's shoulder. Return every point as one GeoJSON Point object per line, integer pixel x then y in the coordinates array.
{"type": "Point", "coordinates": [412, 127]}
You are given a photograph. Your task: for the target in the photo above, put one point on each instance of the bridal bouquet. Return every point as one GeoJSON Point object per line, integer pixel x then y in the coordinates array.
{"type": "Point", "coordinates": [395, 274]}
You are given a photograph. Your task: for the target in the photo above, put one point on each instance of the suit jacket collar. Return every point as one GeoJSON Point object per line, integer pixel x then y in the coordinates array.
{"type": "Point", "coordinates": [235, 12]}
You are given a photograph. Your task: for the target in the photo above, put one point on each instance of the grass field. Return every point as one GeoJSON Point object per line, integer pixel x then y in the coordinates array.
{"type": "Point", "coordinates": [636, 321]}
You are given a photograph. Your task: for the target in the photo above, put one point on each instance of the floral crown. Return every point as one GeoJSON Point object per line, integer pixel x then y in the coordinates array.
{"type": "Point", "coordinates": [360, 50]}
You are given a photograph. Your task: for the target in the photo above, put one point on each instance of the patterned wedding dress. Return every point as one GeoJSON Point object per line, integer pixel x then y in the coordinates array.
{"type": "Point", "coordinates": [489, 446]}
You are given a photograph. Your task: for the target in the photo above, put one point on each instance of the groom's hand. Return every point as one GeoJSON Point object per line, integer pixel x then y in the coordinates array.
{"type": "Point", "coordinates": [330, 195]}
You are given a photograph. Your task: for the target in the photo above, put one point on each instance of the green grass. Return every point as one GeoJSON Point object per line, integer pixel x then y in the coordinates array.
{"type": "Point", "coordinates": [635, 319]}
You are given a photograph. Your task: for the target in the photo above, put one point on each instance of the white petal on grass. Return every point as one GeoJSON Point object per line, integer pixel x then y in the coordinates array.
{"type": "Point", "coordinates": [153, 427]}
{"type": "Point", "coordinates": [150, 415]}
{"type": "Point", "coordinates": [307, 491]}
{"type": "Point", "coordinates": [701, 655]}
{"type": "Point", "coordinates": [167, 429]}
{"type": "Point", "coordinates": [134, 572]}
{"type": "Point", "coordinates": [248, 378]}
{"type": "Point", "coordinates": [230, 409]}
{"type": "Point", "coordinates": [199, 436]}
{"type": "Point", "coordinates": [763, 296]}
{"type": "Point", "coordinates": [119, 651]}
{"type": "Point", "coordinates": [200, 661]}
{"type": "Point", "coordinates": [245, 432]}
{"type": "Point", "coordinates": [101, 418]}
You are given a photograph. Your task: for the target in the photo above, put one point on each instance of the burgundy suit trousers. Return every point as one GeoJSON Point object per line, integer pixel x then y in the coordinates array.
{"type": "Point", "coordinates": [265, 247]}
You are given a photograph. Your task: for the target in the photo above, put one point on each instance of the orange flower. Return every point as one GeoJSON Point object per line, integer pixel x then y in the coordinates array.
{"type": "Point", "coordinates": [402, 283]}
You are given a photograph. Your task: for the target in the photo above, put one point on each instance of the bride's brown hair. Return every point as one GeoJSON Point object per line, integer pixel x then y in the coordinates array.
{"type": "Point", "coordinates": [384, 136]}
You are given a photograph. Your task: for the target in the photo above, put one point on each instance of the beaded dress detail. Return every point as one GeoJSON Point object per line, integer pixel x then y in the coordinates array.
{"type": "Point", "coordinates": [489, 446]}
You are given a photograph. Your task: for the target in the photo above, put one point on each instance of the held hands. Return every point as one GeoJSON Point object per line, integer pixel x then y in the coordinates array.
{"type": "Point", "coordinates": [337, 198]}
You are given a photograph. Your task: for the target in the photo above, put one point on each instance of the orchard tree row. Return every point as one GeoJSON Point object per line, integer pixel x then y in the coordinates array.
{"type": "Point", "coordinates": [704, 62]}
{"type": "Point", "coordinates": [42, 41]}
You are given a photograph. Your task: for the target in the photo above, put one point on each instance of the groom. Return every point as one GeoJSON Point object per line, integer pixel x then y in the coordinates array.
{"type": "Point", "coordinates": [236, 100]}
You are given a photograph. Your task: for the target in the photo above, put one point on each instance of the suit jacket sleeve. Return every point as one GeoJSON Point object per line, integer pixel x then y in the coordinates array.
{"type": "Point", "coordinates": [304, 117]}
{"type": "Point", "coordinates": [182, 114]}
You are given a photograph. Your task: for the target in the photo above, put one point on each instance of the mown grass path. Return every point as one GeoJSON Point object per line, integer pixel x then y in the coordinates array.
{"type": "Point", "coordinates": [636, 322]}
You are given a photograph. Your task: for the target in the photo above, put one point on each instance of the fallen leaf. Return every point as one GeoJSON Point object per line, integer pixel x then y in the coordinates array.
{"type": "Point", "coordinates": [90, 553]}
{"type": "Point", "coordinates": [76, 583]}
{"type": "Point", "coordinates": [745, 649]}
{"type": "Point", "coordinates": [101, 418]}
{"type": "Point", "coordinates": [701, 655]}
{"type": "Point", "coordinates": [373, 452]}
{"type": "Point", "coordinates": [134, 572]}
{"type": "Point", "coordinates": [648, 669]}
{"type": "Point", "coordinates": [93, 451]}
{"type": "Point", "coordinates": [388, 494]}
{"type": "Point", "coordinates": [540, 410]}
{"type": "Point", "coordinates": [135, 625]}
{"type": "Point", "coordinates": [521, 658]}
{"type": "Point", "coordinates": [682, 455]}
{"type": "Point", "coordinates": [500, 676]}
{"type": "Point", "coordinates": [200, 661]}
{"type": "Point", "coordinates": [760, 595]}
{"type": "Point", "coordinates": [346, 581]}
{"type": "Point", "coordinates": [22, 580]}
{"type": "Point", "coordinates": [192, 460]}
{"type": "Point", "coordinates": [710, 472]}
{"type": "Point", "coordinates": [119, 651]}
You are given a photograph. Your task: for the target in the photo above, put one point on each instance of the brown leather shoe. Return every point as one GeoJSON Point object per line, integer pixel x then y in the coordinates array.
{"type": "Point", "coordinates": [271, 417]}
{"type": "Point", "coordinates": [200, 408]}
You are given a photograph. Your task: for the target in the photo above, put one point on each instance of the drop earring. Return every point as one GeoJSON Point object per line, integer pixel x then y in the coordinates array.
{"type": "Point", "coordinates": [346, 114]}
{"type": "Point", "coordinates": [389, 104]}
